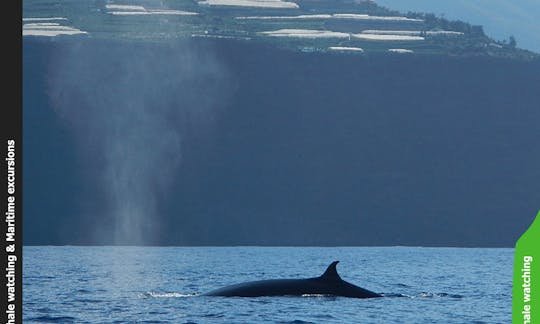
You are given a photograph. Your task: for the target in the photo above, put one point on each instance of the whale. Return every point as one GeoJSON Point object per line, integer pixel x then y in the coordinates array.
{"type": "Point", "coordinates": [328, 284]}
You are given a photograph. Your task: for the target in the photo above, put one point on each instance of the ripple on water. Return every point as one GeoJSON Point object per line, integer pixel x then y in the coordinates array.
{"type": "Point", "coordinates": [423, 295]}
{"type": "Point", "coordinates": [214, 315]}
{"type": "Point", "coordinates": [165, 295]}
{"type": "Point", "coordinates": [84, 291]}
{"type": "Point", "coordinates": [402, 285]}
{"type": "Point", "coordinates": [54, 319]}
{"type": "Point", "coordinates": [394, 295]}
{"type": "Point", "coordinates": [324, 316]}
{"type": "Point", "coordinates": [437, 295]}
{"type": "Point", "coordinates": [87, 300]}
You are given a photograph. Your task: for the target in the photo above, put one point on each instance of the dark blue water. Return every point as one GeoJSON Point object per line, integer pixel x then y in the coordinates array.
{"type": "Point", "coordinates": [161, 284]}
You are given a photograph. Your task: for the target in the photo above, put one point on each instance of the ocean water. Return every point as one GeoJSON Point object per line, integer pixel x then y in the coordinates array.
{"type": "Point", "coordinates": [71, 284]}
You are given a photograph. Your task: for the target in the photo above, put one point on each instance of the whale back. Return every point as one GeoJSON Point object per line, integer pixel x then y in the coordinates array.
{"type": "Point", "coordinates": [329, 283]}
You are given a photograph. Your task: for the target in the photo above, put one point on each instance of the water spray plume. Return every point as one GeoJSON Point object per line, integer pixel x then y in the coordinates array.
{"type": "Point", "coordinates": [129, 107]}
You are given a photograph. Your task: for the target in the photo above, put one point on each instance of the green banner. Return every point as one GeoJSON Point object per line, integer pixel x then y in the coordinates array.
{"type": "Point", "coordinates": [526, 281]}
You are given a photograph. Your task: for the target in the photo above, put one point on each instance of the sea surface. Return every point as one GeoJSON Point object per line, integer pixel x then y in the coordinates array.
{"type": "Point", "coordinates": [73, 284]}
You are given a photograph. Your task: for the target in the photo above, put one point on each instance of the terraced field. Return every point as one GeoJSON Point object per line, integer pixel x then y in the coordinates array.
{"type": "Point", "coordinates": [305, 25]}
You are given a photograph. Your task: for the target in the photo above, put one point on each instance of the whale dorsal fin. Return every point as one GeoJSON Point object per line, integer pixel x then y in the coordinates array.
{"type": "Point", "coordinates": [331, 272]}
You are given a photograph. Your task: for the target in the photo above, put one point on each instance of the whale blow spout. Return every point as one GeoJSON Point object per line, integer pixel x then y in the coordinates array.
{"type": "Point", "coordinates": [329, 283]}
